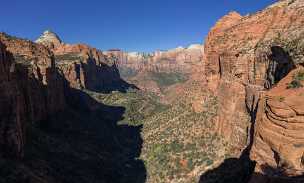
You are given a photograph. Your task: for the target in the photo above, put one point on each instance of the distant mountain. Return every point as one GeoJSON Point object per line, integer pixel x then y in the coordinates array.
{"type": "Point", "coordinates": [49, 39]}
{"type": "Point", "coordinates": [179, 59]}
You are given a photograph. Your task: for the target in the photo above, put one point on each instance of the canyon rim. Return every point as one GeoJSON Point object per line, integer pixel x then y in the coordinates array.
{"type": "Point", "coordinates": [229, 109]}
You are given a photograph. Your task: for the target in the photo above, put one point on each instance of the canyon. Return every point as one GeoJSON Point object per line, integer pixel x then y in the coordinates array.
{"type": "Point", "coordinates": [228, 110]}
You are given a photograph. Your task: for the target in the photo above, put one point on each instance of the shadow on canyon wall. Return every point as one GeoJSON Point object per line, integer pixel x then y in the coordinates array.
{"type": "Point", "coordinates": [106, 78]}
{"type": "Point", "coordinates": [279, 178]}
{"type": "Point", "coordinates": [84, 143]}
{"type": "Point", "coordinates": [236, 170]}
{"type": "Point", "coordinates": [280, 65]}
{"type": "Point", "coordinates": [87, 145]}
{"type": "Point", "coordinates": [232, 170]}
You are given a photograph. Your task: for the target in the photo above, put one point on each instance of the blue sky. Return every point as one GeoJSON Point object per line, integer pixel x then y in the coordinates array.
{"type": "Point", "coordinates": [131, 25]}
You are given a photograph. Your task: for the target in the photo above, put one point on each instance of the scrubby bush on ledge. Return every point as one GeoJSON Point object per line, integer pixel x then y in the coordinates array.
{"type": "Point", "coordinates": [297, 80]}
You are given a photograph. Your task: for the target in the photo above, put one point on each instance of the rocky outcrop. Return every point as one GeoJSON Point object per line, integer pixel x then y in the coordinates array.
{"type": "Point", "coordinates": [181, 58]}
{"type": "Point", "coordinates": [278, 139]}
{"type": "Point", "coordinates": [245, 55]}
{"type": "Point", "coordinates": [85, 67]}
{"type": "Point", "coordinates": [45, 120]}
{"type": "Point", "coordinates": [176, 60]}
{"type": "Point", "coordinates": [31, 90]}
{"type": "Point", "coordinates": [244, 58]}
{"type": "Point", "coordinates": [49, 39]}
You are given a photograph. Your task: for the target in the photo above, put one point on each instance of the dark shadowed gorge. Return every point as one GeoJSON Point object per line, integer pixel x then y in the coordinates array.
{"type": "Point", "coordinates": [230, 110]}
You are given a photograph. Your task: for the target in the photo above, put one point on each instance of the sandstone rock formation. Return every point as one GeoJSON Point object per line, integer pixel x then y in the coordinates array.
{"type": "Point", "coordinates": [248, 63]}
{"type": "Point", "coordinates": [278, 139]}
{"type": "Point", "coordinates": [31, 89]}
{"type": "Point", "coordinates": [84, 66]}
{"type": "Point", "coordinates": [49, 39]}
{"type": "Point", "coordinates": [175, 60]}
{"type": "Point", "coordinates": [46, 121]}
{"type": "Point", "coordinates": [245, 56]}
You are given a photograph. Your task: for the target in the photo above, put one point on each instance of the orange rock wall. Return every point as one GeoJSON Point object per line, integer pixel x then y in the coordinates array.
{"type": "Point", "coordinates": [245, 56]}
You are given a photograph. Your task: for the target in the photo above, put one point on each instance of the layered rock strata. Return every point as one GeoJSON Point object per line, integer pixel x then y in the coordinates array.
{"type": "Point", "coordinates": [245, 55]}
{"type": "Point", "coordinates": [175, 60]}
{"type": "Point", "coordinates": [278, 139]}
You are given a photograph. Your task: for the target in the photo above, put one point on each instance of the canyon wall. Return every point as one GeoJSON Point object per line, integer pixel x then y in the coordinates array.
{"type": "Point", "coordinates": [52, 126]}
{"type": "Point", "coordinates": [278, 139]}
{"type": "Point", "coordinates": [82, 66]}
{"type": "Point", "coordinates": [175, 60]}
{"type": "Point", "coordinates": [245, 56]}
{"type": "Point", "coordinates": [38, 80]}
{"type": "Point", "coordinates": [248, 63]}
{"type": "Point", "coordinates": [31, 90]}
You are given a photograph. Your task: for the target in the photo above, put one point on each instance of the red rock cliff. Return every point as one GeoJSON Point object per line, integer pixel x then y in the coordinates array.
{"type": "Point", "coordinates": [174, 60]}
{"type": "Point", "coordinates": [84, 66]}
{"type": "Point", "coordinates": [241, 58]}
{"type": "Point", "coordinates": [245, 56]}
{"type": "Point", "coordinates": [31, 89]}
{"type": "Point", "coordinates": [278, 139]}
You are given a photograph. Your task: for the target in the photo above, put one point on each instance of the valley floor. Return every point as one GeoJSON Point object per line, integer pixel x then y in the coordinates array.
{"type": "Point", "coordinates": [119, 137]}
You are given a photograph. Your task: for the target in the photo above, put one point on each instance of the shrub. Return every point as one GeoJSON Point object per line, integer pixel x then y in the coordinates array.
{"type": "Point", "coordinates": [297, 79]}
{"type": "Point", "coordinates": [294, 84]}
{"type": "Point", "coordinates": [176, 147]}
{"type": "Point", "coordinates": [164, 79]}
{"type": "Point", "coordinates": [299, 76]}
{"type": "Point", "coordinates": [190, 164]}
{"type": "Point", "coordinates": [126, 72]}
{"type": "Point", "coordinates": [209, 162]}
{"type": "Point", "coordinates": [281, 99]}
{"type": "Point", "coordinates": [68, 56]}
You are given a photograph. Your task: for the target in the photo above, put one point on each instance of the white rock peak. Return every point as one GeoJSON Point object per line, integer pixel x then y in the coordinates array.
{"type": "Point", "coordinates": [49, 38]}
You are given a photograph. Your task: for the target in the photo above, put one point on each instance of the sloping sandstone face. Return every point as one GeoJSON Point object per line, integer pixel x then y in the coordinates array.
{"type": "Point", "coordinates": [278, 140]}
{"type": "Point", "coordinates": [31, 89]}
{"type": "Point", "coordinates": [245, 55]}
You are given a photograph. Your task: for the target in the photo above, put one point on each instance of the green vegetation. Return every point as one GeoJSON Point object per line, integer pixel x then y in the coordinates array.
{"type": "Point", "coordinates": [174, 142]}
{"type": "Point", "coordinates": [164, 79]}
{"type": "Point", "coordinates": [281, 98]}
{"type": "Point", "coordinates": [21, 59]}
{"type": "Point", "coordinates": [68, 56]}
{"type": "Point", "coordinates": [138, 105]}
{"type": "Point", "coordinates": [176, 139]}
{"type": "Point", "coordinates": [294, 84]}
{"type": "Point", "coordinates": [126, 72]}
{"type": "Point", "coordinates": [291, 44]}
{"type": "Point", "coordinates": [298, 78]}
{"type": "Point", "coordinates": [11, 38]}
